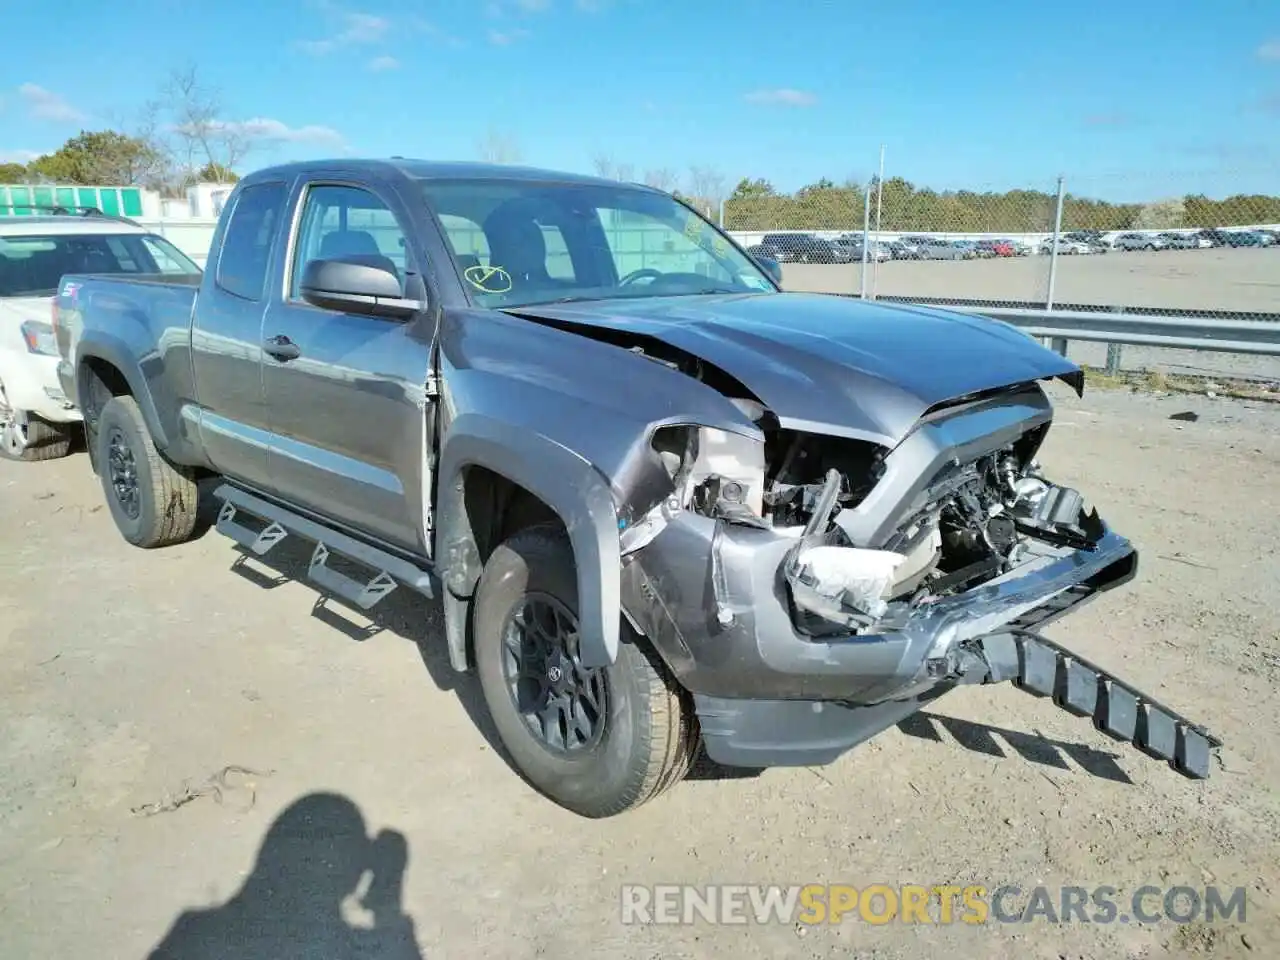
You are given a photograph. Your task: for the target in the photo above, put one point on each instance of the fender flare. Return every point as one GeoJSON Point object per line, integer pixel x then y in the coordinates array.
{"type": "Point", "coordinates": [571, 486]}
{"type": "Point", "coordinates": [113, 350]}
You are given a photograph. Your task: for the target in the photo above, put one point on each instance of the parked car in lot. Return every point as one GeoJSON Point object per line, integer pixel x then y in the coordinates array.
{"type": "Point", "coordinates": [1094, 239]}
{"type": "Point", "coordinates": [1065, 246]}
{"type": "Point", "coordinates": [1140, 241]}
{"type": "Point", "coordinates": [851, 244]}
{"type": "Point", "coordinates": [1215, 237]}
{"type": "Point", "coordinates": [913, 243]}
{"type": "Point", "coordinates": [995, 248]}
{"type": "Point", "coordinates": [901, 251]}
{"type": "Point", "coordinates": [935, 248]}
{"type": "Point", "coordinates": [37, 247]}
{"type": "Point", "coordinates": [665, 504]}
{"type": "Point", "coordinates": [800, 248]}
{"type": "Point", "coordinates": [1180, 241]}
{"type": "Point", "coordinates": [1248, 238]}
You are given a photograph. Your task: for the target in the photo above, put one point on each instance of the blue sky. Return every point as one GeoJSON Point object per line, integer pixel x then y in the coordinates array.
{"type": "Point", "coordinates": [1126, 98]}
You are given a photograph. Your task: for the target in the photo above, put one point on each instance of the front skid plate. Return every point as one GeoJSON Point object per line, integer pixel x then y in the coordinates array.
{"type": "Point", "coordinates": [1045, 669]}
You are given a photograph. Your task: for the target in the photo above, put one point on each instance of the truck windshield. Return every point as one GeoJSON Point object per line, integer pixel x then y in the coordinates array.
{"type": "Point", "coordinates": [525, 242]}
{"type": "Point", "coordinates": [32, 265]}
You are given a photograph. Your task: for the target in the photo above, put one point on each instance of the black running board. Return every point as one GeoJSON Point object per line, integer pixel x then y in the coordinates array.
{"type": "Point", "coordinates": [387, 570]}
{"type": "Point", "coordinates": [1043, 668]}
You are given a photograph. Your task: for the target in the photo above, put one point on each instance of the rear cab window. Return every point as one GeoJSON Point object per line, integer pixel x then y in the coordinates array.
{"type": "Point", "coordinates": [244, 259]}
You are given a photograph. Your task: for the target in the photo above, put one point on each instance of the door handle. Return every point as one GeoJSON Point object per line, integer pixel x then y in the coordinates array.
{"type": "Point", "coordinates": [282, 348]}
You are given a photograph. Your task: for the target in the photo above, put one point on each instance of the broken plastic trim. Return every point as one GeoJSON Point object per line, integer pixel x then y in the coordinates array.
{"type": "Point", "coordinates": [1043, 668]}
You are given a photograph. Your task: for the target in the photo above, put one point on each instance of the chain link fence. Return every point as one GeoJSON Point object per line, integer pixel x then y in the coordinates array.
{"type": "Point", "coordinates": [1052, 243]}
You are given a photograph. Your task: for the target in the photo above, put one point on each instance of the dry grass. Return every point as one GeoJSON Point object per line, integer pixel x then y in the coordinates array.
{"type": "Point", "coordinates": [1158, 381]}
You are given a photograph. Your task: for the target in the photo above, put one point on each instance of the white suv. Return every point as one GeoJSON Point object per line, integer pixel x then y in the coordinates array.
{"type": "Point", "coordinates": [36, 418]}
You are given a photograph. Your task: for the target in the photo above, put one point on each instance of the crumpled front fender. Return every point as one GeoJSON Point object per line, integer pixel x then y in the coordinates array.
{"type": "Point", "coordinates": [570, 486]}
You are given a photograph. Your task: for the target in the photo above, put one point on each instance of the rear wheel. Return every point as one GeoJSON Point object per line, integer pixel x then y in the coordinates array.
{"type": "Point", "coordinates": [152, 501]}
{"type": "Point", "coordinates": [26, 437]}
{"type": "Point", "coordinates": [599, 741]}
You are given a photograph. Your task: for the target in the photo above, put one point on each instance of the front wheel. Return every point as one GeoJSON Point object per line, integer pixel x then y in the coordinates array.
{"type": "Point", "coordinates": [152, 501]}
{"type": "Point", "coordinates": [598, 741]}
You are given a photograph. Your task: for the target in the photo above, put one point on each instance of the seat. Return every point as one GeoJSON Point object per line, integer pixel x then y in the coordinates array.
{"type": "Point", "coordinates": [516, 244]}
{"type": "Point", "coordinates": [357, 246]}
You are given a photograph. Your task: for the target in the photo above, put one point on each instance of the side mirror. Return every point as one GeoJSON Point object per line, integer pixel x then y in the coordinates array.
{"type": "Point", "coordinates": [771, 267]}
{"type": "Point", "coordinates": [356, 284]}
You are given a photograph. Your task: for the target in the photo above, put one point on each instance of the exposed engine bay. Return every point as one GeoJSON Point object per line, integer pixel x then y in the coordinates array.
{"type": "Point", "coordinates": [970, 523]}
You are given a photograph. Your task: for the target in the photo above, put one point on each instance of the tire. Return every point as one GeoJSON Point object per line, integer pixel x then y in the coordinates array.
{"type": "Point", "coordinates": [164, 501]}
{"type": "Point", "coordinates": [648, 737]}
{"type": "Point", "coordinates": [43, 440]}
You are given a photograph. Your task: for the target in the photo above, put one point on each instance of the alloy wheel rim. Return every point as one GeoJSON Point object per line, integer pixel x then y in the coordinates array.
{"type": "Point", "coordinates": [122, 469]}
{"type": "Point", "coordinates": [563, 704]}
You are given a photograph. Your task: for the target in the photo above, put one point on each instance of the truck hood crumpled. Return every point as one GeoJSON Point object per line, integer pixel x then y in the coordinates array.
{"type": "Point", "coordinates": [829, 364]}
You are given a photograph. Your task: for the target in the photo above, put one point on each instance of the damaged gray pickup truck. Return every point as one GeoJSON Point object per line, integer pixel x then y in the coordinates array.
{"type": "Point", "coordinates": [664, 503]}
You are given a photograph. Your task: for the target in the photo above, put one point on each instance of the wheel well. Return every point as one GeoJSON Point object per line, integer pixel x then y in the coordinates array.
{"type": "Point", "coordinates": [102, 381]}
{"type": "Point", "coordinates": [498, 507]}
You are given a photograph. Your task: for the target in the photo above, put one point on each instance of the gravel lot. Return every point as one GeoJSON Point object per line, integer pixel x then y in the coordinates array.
{"type": "Point", "coordinates": [1217, 279]}
{"type": "Point", "coordinates": [127, 673]}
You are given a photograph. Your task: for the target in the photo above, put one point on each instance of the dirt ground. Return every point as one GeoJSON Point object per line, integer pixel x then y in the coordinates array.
{"type": "Point", "coordinates": [128, 676]}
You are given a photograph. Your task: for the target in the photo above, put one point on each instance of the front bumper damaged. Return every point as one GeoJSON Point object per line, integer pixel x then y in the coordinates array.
{"type": "Point", "coordinates": [712, 597]}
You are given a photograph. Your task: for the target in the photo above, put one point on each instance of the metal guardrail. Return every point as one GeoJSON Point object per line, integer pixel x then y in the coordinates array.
{"type": "Point", "coordinates": [1036, 306]}
{"type": "Point", "coordinates": [1257, 334]}
{"type": "Point", "coordinates": [1257, 337]}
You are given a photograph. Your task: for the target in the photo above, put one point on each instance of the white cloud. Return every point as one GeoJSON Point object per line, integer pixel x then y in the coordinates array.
{"type": "Point", "coordinates": [435, 33]}
{"type": "Point", "coordinates": [357, 28]}
{"type": "Point", "coordinates": [19, 156]}
{"type": "Point", "coordinates": [46, 105]}
{"type": "Point", "coordinates": [265, 130]}
{"type": "Point", "coordinates": [381, 64]}
{"type": "Point", "coordinates": [1270, 50]}
{"type": "Point", "coordinates": [783, 96]}
{"type": "Point", "coordinates": [504, 38]}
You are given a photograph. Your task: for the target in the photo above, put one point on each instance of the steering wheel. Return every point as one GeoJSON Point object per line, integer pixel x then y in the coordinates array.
{"type": "Point", "coordinates": [639, 274]}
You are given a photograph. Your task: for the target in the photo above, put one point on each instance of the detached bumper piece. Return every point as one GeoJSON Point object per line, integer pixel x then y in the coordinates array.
{"type": "Point", "coordinates": [1043, 668]}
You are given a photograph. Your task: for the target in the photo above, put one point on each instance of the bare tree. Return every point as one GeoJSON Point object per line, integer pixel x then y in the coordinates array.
{"type": "Point", "coordinates": [155, 166]}
{"type": "Point", "coordinates": [625, 172]}
{"type": "Point", "coordinates": [706, 188]}
{"type": "Point", "coordinates": [200, 135]}
{"type": "Point", "coordinates": [661, 179]}
{"type": "Point", "coordinates": [495, 147]}
{"type": "Point", "coordinates": [604, 165]}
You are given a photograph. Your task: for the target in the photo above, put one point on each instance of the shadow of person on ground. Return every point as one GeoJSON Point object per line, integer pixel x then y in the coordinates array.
{"type": "Point", "coordinates": [314, 857]}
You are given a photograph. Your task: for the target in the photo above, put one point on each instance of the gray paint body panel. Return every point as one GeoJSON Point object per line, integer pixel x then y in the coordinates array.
{"type": "Point", "coordinates": [830, 364]}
